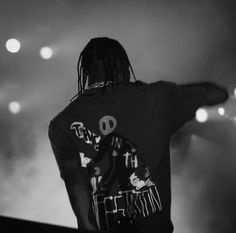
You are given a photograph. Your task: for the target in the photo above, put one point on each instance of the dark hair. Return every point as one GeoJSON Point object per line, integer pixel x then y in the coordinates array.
{"type": "Point", "coordinates": [111, 55]}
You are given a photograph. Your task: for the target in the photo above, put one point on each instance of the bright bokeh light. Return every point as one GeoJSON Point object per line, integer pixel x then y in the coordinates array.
{"type": "Point", "coordinates": [13, 45]}
{"type": "Point", "coordinates": [234, 119]}
{"type": "Point", "coordinates": [221, 111]}
{"type": "Point", "coordinates": [235, 92]}
{"type": "Point", "coordinates": [201, 115]}
{"type": "Point", "coordinates": [14, 107]}
{"type": "Point", "coordinates": [46, 52]}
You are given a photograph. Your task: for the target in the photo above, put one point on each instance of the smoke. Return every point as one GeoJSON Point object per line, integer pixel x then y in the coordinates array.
{"type": "Point", "coordinates": [180, 41]}
{"type": "Point", "coordinates": [203, 178]}
{"type": "Point", "coordinates": [34, 190]}
{"type": "Point", "coordinates": [17, 140]}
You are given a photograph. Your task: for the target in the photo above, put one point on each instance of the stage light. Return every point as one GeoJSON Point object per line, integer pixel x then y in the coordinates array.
{"type": "Point", "coordinates": [14, 107]}
{"type": "Point", "coordinates": [13, 45]}
{"type": "Point", "coordinates": [201, 115]}
{"type": "Point", "coordinates": [46, 52]}
{"type": "Point", "coordinates": [235, 92]}
{"type": "Point", "coordinates": [221, 111]}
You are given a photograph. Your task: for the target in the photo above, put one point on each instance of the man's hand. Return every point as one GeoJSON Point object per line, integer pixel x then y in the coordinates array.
{"type": "Point", "coordinates": [215, 94]}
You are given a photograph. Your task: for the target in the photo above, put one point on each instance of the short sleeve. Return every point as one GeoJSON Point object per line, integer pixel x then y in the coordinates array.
{"type": "Point", "coordinates": [179, 102]}
{"type": "Point", "coordinates": [183, 102]}
{"type": "Point", "coordinates": [64, 150]}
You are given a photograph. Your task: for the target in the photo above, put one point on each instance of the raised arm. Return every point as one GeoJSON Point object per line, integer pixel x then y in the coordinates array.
{"type": "Point", "coordinates": [182, 101]}
{"type": "Point", "coordinates": [215, 94]}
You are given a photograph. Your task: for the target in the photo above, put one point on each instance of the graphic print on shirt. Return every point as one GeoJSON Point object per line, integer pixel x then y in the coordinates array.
{"type": "Point", "coordinates": [83, 133]}
{"type": "Point", "coordinates": [121, 183]}
{"type": "Point", "coordinates": [119, 178]}
{"type": "Point", "coordinates": [107, 124]}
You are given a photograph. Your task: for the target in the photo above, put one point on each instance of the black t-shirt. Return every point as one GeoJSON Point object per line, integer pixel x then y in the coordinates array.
{"type": "Point", "coordinates": [122, 138]}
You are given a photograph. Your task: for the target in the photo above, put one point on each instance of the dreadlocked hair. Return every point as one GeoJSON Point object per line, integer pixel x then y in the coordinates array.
{"type": "Point", "coordinates": [111, 55]}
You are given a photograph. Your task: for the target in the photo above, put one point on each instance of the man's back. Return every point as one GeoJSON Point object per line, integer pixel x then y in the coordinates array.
{"type": "Point", "coordinates": [142, 117]}
{"type": "Point", "coordinates": [112, 143]}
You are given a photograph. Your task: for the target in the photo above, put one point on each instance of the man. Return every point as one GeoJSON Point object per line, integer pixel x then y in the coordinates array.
{"type": "Point", "coordinates": [112, 142]}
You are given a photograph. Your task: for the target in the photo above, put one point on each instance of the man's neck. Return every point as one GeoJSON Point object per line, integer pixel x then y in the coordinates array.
{"type": "Point", "coordinates": [98, 84]}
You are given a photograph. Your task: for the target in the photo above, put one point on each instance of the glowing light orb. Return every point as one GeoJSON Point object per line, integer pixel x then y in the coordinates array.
{"type": "Point", "coordinates": [14, 107]}
{"type": "Point", "coordinates": [201, 115]}
{"type": "Point", "coordinates": [221, 111]}
{"type": "Point", "coordinates": [46, 52]}
{"type": "Point", "coordinates": [13, 45]}
{"type": "Point", "coordinates": [235, 92]}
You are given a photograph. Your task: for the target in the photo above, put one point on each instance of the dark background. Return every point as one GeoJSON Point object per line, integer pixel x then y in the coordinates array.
{"type": "Point", "coordinates": [173, 40]}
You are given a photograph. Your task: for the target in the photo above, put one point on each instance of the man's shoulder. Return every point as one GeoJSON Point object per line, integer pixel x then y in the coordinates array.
{"type": "Point", "coordinates": [162, 84]}
{"type": "Point", "coordinates": [63, 114]}
{"type": "Point", "coordinates": [56, 121]}
{"type": "Point", "coordinates": [159, 83]}
{"type": "Point", "coordinates": [159, 86]}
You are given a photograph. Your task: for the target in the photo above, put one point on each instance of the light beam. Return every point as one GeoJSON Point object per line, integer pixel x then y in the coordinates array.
{"type": "Point", "coordinates": [201, 115]}
{"type": "Point", "coordinates": [13, 45]}
{"type": "Point", "coordinates": [14, 107]}
{"type": "Point", "coordinates": [46, 52]}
